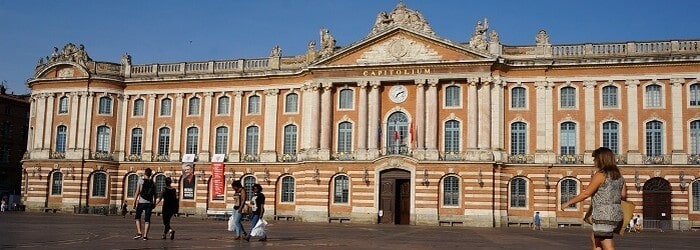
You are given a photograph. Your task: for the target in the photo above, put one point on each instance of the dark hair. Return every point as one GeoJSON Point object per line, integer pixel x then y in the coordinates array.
{"type": "Point", "coordinates": [236, 184]}
{"type": "Point", "coordinates": [149, 172]}
{"type": "Point", "coordinates": [604, 160]}
{"type": "Point", "coordinates": [258, 187]}
{"type": "Point", "coordinates": [168, 181]}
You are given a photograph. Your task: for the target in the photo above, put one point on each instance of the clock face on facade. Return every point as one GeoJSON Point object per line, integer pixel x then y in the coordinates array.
{"type": "Point", "coordinates": [398, 93]}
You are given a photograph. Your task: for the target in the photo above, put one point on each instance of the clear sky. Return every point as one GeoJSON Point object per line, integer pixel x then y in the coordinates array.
{"type": "Point", "coordinates": [200, 30]}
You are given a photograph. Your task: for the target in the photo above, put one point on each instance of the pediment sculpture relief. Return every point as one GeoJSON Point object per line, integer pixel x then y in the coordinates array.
{"type": "Point", "coordinates": [69, 53]}
{"type": "Point", "coordinates": [401, 16]}
{"type": "Point", "coordinates": [399, 49]}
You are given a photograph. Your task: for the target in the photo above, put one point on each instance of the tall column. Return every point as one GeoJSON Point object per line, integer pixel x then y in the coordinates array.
{"type": "Point", "coordinates": [431, 117]}
{"type": "Point", "coordinates": [121, 131]}
{"type": "Point", "coordinates": [73, 128]}
{"type": "Point", "coordinates": [549, 117]}
{"type": "Point", "coordinates": [48, 123]}
{"type": "Point", "coordinates": [177, 130]}
{"type": "Point", "coordinates": [40, 118]}
{"type": "Point", "coordinates": [269, 153]}
{"type": "Point", "coordinates": [497, 120]}
{"type": "Point", "coordinates": [30, 137]}
{"type": "Point", "coordinates": [89, 110]}
{"type": "Point", "coordinates": [82, 114]}
{"type": "Point", "coordinates": [633, 155]}
{"type": "Point", "coordinates": [677, 153]}
{"type": "Point", "coordinates": [310, 121]}
{"type": "Point", "coordinates": [484, 116]}
{"type": "Point", "coordinates": [543, 152]}
{"type": "Point", "coordinates": [374, 122]}
{"type": "Point", "coordinates": [206, 127]}
{"type": "Point", "coordinates": [589, 119]}
{"type": "Point", "coordinates": [361, 151]}
{"type": "Point", "coordinates": [315, 110]}
{"type": "Point", "coordinates": [235, 152]}
{"type": "Point", "coordinates": [326, 125]}
{"type": "Point", "coordinates": [472, 114]}
{"type": "Point", "coordinates": [419, 128]}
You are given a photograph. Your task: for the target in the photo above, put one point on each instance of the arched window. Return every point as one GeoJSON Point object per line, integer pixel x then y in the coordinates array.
{"type": "Point", "coordinates": [653, 95]}
{"type": "Point", "coordinates": [346, 98]}
{"type": "Point", "coordinates": [567, 138]}
{"type": "Point", "coordinates": [695, 137]}
{"type": "Point", "coordinates": [251, 140]}
{"type": "Point", "coordinates": [517, 98]}
{"type": "Point", "coordinates": [517, 138]}
{"type": "Point", "coordinates": [452, 96]}
{"type": "Point", "coordinates": [103, 139]}
{"type": "Point", "coordinates": [291, 103]}
{"type": "Point", "coordinates": [248, 182]}
{"type": "Point", "coordinates": [164, 141]}
{"type": "Point", "coordinates": [345, 137]}
{"type": "Point", "coordinates": [56, 183]}
{"type": "Point", "coordinates": [518, 192]}
{"type": "Point", "coordinates": [192, 140]}
{"type": "Point", "coordinates": [165, 106]}
{"type": "Point", "coordinates": [569, 190]}
{"type": "Point", "coordinates": [61, 139]}
{"type": "Point", "coordinates": [609, 96]}
{"type": "Point", "coordinates": [654, 132]}
{"type": "Point", "coordinates": [221, 144]}
{"type": "Point", "coordinates": [611, 136]}
{"type": "Point", "coordinates": [131, 181]}
{"type": "Point", "coordinates": [63, 105]}
{"type": "Point", "coordinates": [290, 140]}
{"type": "Point", "coordinates": [193, 108]}
{"type": "Point", "coordinates": [287, 189]}
{"type": "Point", "coordinates": [341, 192]}
{"type": "Point", "coordinates": [99, 184]}
{"type": "Point", "coordinates": [105, 106]}
{"type": "Point", "coordinates": [696, 195]}
{"type": "Point", "coordinates": [136, 138]}
{"type": "Point", "coordinates": [452, 136]}
{"type": "Point", "coordinates": [138, 107]}
{"type": "Point", "coordinates": [397, 131]}
{"type": "Point", "coordinates": [222, 107]}
{"type": "Point", "coordinates": [450, 191]}
{"type": "Point", "coordinates": [254, 104]}
{"type": "Point", "coordinates": [159, 180]}
{"type": "Point", "coordinates": [568, 97]}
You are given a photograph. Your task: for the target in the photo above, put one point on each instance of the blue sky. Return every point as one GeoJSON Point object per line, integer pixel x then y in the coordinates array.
{"type": "Point", "coordinates": [189, 30]}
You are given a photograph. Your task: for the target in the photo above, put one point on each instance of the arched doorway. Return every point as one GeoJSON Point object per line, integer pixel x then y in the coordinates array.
{"type": "Point", "coordinates": [395, 197]}
{"type": "Point", "coordinates": [397, 134]}
{"type": "Point", "coordinates": [657, 203]}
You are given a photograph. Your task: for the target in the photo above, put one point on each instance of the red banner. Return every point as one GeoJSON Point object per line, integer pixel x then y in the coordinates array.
{"type": "Point", "coordinates": [217, 180]}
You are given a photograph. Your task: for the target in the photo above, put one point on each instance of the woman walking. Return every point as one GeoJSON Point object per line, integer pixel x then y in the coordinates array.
{"type": "Point", "coordinates": [607, 188]}
{"type": "Point", "coordinates": [170, 207]}
{"type": "Point", "coordinates": [257, 203]}
{"type": "Point", "coordinates": [239, 198]}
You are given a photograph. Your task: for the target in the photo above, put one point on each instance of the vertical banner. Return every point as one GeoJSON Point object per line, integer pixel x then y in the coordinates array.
{"type": "Point", "coordinates": [188, 181]}
{"type": "Point", "coordinates": [217, 177]}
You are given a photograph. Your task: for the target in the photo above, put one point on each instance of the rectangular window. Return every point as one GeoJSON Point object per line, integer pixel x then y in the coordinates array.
{"type": "Point", "coordinates": [568, 97]}
{"type": "Point", "coordinates": [609, 97]}
{"type": "Point", "coordinates": [452, 96]}
{"type": "Point", "coordinates": [451, 191]}
{"type": "Point", "coordinates": [517, 97]}
{"type": "Point", "coordinates": [340, 191]}
{"type": "Point", "coordinates": [653, 96]}
{"type": "Point", "coordinates": [288, 189]}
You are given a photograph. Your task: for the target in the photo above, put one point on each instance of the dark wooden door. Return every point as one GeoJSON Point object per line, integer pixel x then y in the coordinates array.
{"type": "Point", "coordinates": [387, 199]}
{"type": "Point", "coordinates": [404, 202]}
{"type": "Point", "coordinates": [657, 199]}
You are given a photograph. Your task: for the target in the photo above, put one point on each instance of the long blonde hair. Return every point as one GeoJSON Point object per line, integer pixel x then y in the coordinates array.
{"type": "Point", "coordinates": [604, 160]}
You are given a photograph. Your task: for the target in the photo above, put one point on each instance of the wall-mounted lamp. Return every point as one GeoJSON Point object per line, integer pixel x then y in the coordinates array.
{"type": "Point", "coordinates": [425, 177]}
{"type": "Point", "coordinates": [365, 176]}
{"type": "Point", "coordinates": [315, 176]}
{"type": "Point", "coordinates": [231, 175]}
{"type": "Point", "coordinates": [266, 175]}
{"type": "Point", "coordinates": [637, 183]}
{"type": "Point", "coordinates": [479, 177]}
{"type": "Point", "coordinates": [35, 170]}
{"type": "Point", "coordinates": [546, 179]}
{"type": "Point", "coordinates": [683, 184]}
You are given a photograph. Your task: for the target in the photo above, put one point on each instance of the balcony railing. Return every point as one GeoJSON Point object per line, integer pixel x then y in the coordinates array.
{"type": "Point", "coordinates": [694, 159]}
{"type": "Point", "coordinates": [621, 159]}
{"type": "Point", "coordinates": [521, 158]}
{"type": "Point", "coordinates": [656, 159]}
{"type": "Point", "coordinates": [451, 156]}
{"type": "Point", "coordinates": [344, 156]}
{"type": "Point", "coordinates": [397, 150]}
{"type": "Point", "coordinates": [161, 158]}
{"type": "Point", "coordinates": [250, 158]}
{"type": "Point", "coordinates": [133, 157]}
{"type": "Point", "coordinates": [99, 155]}
{"type": "Point", "coordinates": [291, 157]}
{"type": "Point", "coordinates": [57, 155]}
{"type": "Point", "coordinates": [570, 159]}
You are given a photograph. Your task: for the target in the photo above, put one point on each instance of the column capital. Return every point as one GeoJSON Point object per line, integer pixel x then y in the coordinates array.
{"type": "Point", "coordinates": [152, 96]}
{"type": "Point", "coordinates": [375, 84]}
{"type": "Point", "coordinates": [208, 94]}
{"type": "Point", "coordinates": [362, 84]}
{"type": "Point", "coordinates": [589, 84]}
{"type": "Point", "coordinates": [433, 82]}
{"type": "Point", "coordinates": [179, 95]}
{"type": "Point", "coordinates": [271, 92]}
{"type": "Point", "coordinates": [677, 82]}
{"type": "Point", "coordinates": [472, 80]}
{"type": "Point", "coordinates": [238, 93]}
{"type": "Point", "coordinates": [543, 84]}
{"type": "Point", "coordinates": [632, 83]}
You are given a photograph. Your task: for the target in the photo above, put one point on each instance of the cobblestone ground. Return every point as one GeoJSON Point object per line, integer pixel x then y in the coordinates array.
{"type": "Point", "coordinates": [67, 231]}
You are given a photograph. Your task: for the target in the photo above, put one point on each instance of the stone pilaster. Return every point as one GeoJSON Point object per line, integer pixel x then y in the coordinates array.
{"type": "Point", "coordinates": [544, 149]}
{"type": "Point", "coordinates": [48, 123]}
{"type": "Point", "coordinates": [678, 155]}
{"type": "Point", "coordinates": [361, 149]}
{"type": "Point", "coordinates": [484, 117]}
{"type": "Point", "coordinates": [121, 131]}
{"type": "Point", "coordinates": [235, 151]}
{"type": "Point", "coordinates": [204, 151]}
{"type": "Point", "coordinates": [472, 114]}
{"type": "Point", "coordinates": [147, 152]}
{"type": "Point", "coordinates": [633, 154]}
{"type": "Point", "coordinates": [73, 129]}
{"type": "Point", "coordinates": [326, 125]}
{"type": "Point", "coordinates": [374, 122]}
{"type": "Point", "coordinates": [432, 123]}
{"type": "Point", "coordinates": [497, 120]}
{"type": "Point", "coordinates": [589, 120]}
{"type": "Point", "coordinates": [269, 153]}
{"type": "Point", "coordinates": [177, 130]}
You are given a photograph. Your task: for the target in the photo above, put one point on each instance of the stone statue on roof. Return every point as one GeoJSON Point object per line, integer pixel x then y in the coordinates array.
{"type": "Point", "coordinates": [542, 38]}
{"type": "Point", "coordinates": [401, 16]}
{"type": "Point", "coordinates": [327, 42]}
{"type": "Point", "coordinates": [276, 51]}
{"type": "Point", "coordinates": [478, 39]}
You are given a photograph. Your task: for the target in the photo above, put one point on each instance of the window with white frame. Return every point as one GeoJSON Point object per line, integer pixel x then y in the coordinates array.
{"type": "Point", "coordinates": [611, 136]}
{"type": "Point", "coordinates": [56, 183]}
{"type": "Point", "coordinates": [221, 144]}
{"type": "Point", "coordinates": [193, 108]}
{"type": "Point", "coordinates": [248, 183]}
{"type": "Point", "coordinates": [346, 98]}
{"type": "Point", "coordinates": [131, 181]}
{"type": "Point", "coordinates": [450, 191]}
{"type": "Point", "coordinates": [609, 97]}
{"type": "Point", "coordinates": [138, 107]}
{"type": "Point", "coordinates": [452, 136]}
{"type": "Point", "coordinates": [166, 106]}
{"type": "Point", "coordinates": [518, 192]}
{"type": "Point", "coordinates": [99, 184]}
{"type": "Point", "coordinates": [254, 104]}
{"type": "Point", "coordinates": [287, 194]}
{"type": "Point", "coordinates": [517, 98]}
{"type": "Point", "coordinates": [290, 140]}
{"type": "Point", "coordinates": [63, 105]}
{"type": "Point", "coordinates": [136, 139]}
{"type": "Point", "coordinates": [654, 139]}
{"type": "Point", "coordinates": [696, 195]}
{"type": "Point", "coordinates": [518, 130]}
{"type": "Point", "coordinates": [222, 107]}
{"type": "Point", "coordinates": [251, 141]}
{"type": "Point", "coordinates": [192, 140]}
{"type": "Point", "coordinates": [695, 137]}
{"type": "Point", "coordinates": [452, 96]}
{"type": "Point", "coordinates": [105, 105]}
{"type": "Point", "coordinates": [103, 139]}
{"type": "Point", "coordinates": [652, 93]}
{"type": "Point", "coordinates": [694, 95]}
{"type": "Point", "coordinates": [163, 141]}
{"type": "Point", "coordinates": [568, 97]}
{"type": "Point", "coordinates": [345, 137]}
{"type": "Point", "coordinates": [341, 192]}
{"type": "Point", "coordinates": [567, 138]}
{"type": "Point", "coordinates": [568, 190]}
{"type": "Point", "coordinates": [291, 103]}
{"type": "Point", "coordinates": [61, 135]}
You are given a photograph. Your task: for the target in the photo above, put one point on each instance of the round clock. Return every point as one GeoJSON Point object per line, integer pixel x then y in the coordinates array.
{"type": "Point", "coordinates": [398, 93]}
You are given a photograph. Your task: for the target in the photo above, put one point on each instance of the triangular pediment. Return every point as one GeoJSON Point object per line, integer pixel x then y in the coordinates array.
{"type": "Point", "coordinates": [401, 45]}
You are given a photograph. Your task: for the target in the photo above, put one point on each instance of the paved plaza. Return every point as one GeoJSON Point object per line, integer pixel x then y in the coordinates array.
{"type": "Point", "coordinates": [63, 231]}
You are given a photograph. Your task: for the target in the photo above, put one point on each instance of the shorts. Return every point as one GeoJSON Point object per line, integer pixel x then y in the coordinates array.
{"type": "Point", "coordinates": [144, 207]}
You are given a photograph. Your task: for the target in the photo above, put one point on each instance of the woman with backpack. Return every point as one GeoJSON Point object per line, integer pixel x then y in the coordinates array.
{"type": "Point", "coordinates": [145, 192]}
{"type": "Point", "coordinates": [170, 207]}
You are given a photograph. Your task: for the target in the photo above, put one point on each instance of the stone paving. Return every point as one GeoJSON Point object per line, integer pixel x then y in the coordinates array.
{"type": "Point", "coordinates": [25, 230]}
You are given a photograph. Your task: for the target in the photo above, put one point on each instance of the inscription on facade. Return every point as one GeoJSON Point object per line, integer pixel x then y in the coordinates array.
{"type": "Point", "coordinates": [396, 72]}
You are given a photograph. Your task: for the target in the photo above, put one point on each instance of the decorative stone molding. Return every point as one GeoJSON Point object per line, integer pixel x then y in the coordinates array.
{"type": "Point", "coordinates": [399, 49]}
{"type": "Point", "coordinates": [403, 17]}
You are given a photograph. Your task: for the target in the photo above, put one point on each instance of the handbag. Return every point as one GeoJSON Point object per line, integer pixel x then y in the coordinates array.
{"type": "Point", "coordinates": [231, 224]}
{"type": "Point", "coordinates": [260, 229]}
{"type": "Point", "coordinates": [627, 213]}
